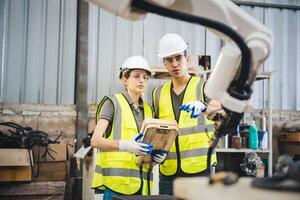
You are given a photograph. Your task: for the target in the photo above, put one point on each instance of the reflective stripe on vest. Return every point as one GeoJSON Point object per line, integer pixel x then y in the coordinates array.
{"type": "Point", "coordinates": [189, 153]}
{"type": "Point", "coordinates": [194, 134]}
{"type": "Point", "coordinates": [121, 172]}
{"type": "Point", "coordinates": [118, 170]}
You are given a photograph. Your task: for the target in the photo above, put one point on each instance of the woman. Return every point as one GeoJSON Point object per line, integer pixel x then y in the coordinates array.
{"type": "Point", "coordinates": [119, 118]}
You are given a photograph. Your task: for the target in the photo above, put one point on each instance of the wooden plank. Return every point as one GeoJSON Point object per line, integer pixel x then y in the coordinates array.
{"type": "Point", "coordinates": [14, 157]}
{"type": "Point", "coordinates": [36, 197]}
{"type": "Point", "coordinates": [290, 137]}
{"type": "Point", "coordinates": [15, 173]}
{"type": "Point", "coordinates": [33, 189]}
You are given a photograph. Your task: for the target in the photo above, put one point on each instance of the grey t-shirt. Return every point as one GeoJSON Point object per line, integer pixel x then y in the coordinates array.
{"type": "Point", "coordinates": [107, 112]}
{"type": "Point", "coordinates": [177, 101]}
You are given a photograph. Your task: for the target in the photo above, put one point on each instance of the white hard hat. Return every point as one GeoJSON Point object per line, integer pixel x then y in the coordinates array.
{"type": "Point", "coordinates": [170, 44]}
{"type": "Point", "coordinates": [135, 62]}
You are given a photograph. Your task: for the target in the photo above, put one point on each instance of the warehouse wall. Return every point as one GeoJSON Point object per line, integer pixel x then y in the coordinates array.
{"type": "Point", "coordinates": [284, 61]}
{"type": "Point", "coordinates": [112, 40]}
{"type": "Point", "coordinates": [38, 44]}
{"type": "Point", "coordinates": [37, 59]}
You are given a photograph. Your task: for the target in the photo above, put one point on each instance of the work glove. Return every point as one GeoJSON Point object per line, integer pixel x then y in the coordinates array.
{"type": "Point", "coordinates": [135, 147]}
{"type": "Point", "coordinates": [159, 155]}
{"type": "Point", "coordinates": [197, 107]}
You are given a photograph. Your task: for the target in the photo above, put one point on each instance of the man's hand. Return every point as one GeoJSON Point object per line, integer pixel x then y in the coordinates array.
{"type": "Point", "coordinates": [197, 107]}
{"type": "Point", "coordinates": [137, 148]}
{"type": "Point", "coordinates": [159, 156]}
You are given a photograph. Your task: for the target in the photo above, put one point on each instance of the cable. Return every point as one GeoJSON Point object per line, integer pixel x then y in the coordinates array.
{"type": "Point", "coordinates": [26, 137]}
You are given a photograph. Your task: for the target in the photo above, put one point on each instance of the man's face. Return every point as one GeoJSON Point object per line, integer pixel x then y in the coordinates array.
{"type": "Point", "coordinates": [176, 64]}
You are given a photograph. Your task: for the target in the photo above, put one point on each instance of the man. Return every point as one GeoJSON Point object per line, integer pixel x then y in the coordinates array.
{"type": "Point", "coordinates": [187, 156]}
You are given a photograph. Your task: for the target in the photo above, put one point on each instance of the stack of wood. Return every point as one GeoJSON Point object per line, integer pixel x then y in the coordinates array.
{"type": "Point", "coordinates": [15, 165]}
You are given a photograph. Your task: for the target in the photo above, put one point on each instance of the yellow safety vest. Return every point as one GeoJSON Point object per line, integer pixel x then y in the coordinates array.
{"type": "Point", "coordinates": [117, 170]}
{"type": "Point", "coordinates": [194, 134]}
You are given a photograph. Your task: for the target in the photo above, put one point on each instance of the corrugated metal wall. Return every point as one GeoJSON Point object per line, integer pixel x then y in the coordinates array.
{"type": "Point", "coordinates": [113, 39]}
{"type": "Point", "coordinates": [37, 60]}
{"type": "Point", "coordinates": [38, 45]}
{"type": "Point", "coordinates": [284, 61]}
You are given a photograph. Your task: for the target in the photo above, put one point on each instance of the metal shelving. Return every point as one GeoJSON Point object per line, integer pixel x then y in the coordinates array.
{"type": "Point", "coordinates": [232, 150]}
{"type": "Point", "coordinates": [269, 151]}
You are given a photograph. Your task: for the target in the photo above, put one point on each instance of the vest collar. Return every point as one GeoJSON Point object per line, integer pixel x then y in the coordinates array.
{"type": "Point", "coordinates": [128, 98]}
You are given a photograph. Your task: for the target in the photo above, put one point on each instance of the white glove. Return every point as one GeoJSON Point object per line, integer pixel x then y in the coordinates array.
{"type": "Point", "coordinates": [195, 106]}
{"type": "Point", "coordinates": [137, 148]}
{"type": "Point", "coordinates": [159, 158]}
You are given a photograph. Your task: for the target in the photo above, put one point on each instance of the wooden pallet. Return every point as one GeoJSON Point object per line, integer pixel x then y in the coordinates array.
{"type": "Point", "coordinates": [290, 137]}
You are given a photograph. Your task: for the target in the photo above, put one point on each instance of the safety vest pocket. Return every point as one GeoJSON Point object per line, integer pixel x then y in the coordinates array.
{"type": "Point", "coordinates": [187, 121]}
{"type": "Point", "coordinates": [119, 177]}
{"type": "Point", "coordinates": [198, 141]}
{"type": "Point", "coordinates": [166, 114]}
{"type": "Point", "coordinates": [118, 183]}
{"type": "Point", "coordinates": [194, 164]}
{"type": "Point", "coordinates": [118, 159]}
{"type": "Point", "coordinates": [121, 159]}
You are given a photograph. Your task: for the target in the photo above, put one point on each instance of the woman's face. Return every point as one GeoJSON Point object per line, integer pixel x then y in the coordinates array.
{"type": "Point", "coordinates": [137, 81]}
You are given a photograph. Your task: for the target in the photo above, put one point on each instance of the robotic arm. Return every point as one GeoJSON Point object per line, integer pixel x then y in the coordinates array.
{"type": "Point", "coordinates": [248, 44]}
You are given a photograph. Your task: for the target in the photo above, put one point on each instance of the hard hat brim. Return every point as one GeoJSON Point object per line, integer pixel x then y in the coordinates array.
{"type": "Point", "coordinates": [172, 53]}
{"type": "Point", "coordinates": [149, 72]}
